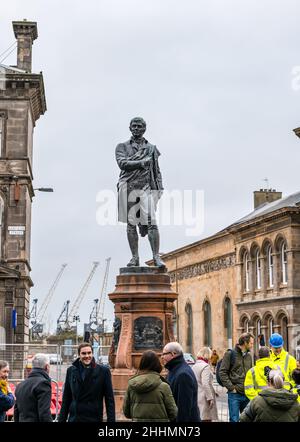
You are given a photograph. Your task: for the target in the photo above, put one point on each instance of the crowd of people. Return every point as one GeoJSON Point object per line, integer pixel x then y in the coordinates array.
{"type": "Point", "coordinates": [166, 389]}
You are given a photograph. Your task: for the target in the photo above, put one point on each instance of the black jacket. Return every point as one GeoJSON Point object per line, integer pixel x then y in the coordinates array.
{"type": "Point", "coordinates": [83, 399]}
{"type": "Point", "coordinates": [33, 398]}
{"type": "Point", "coordinates": [184, 387]}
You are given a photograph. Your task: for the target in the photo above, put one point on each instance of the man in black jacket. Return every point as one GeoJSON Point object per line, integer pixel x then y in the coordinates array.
{"type": "Point", "coordinates": [87, 383]}
{"type": "Point", "coordinates": [33, 396]}
{"type": "Point", "coordinates": [183, 383]}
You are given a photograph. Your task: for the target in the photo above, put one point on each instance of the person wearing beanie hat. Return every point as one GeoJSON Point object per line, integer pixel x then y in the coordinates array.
{"type": "Point", "coordinates": [283, 359]}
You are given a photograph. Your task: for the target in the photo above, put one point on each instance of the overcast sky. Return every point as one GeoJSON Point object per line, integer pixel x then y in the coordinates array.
{"type": "Point", "coordinates": [213, 79]}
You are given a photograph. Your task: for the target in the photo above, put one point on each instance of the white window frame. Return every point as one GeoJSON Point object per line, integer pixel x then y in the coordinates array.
{"type": "Point", "coordinates": [246, 271]}
{"type": "Point", "coordinates": [270, 267]}
{"type": "Point", "coordinates": [258, 269]}
{"type": "Point", "coordinates": [284, 264]}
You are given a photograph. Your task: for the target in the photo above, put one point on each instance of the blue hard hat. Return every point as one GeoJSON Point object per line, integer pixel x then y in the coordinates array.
{"type": "Point", "coordinates": [276, 340]}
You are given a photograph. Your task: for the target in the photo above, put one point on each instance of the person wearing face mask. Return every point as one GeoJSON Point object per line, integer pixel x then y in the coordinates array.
{"type": "Point", "coordinates": [33, 396]}
{"type": "Point", "coordinates": [6, 397]}
{"type": "Point", "coordinates": [283, 359]}
{"type": "Point", "coordinates": [86, 385]}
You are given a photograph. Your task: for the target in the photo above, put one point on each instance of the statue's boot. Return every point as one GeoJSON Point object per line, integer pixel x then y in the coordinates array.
{"type": "Point", "coordinates": [153, 236]}
{"type": "Point", "coordinates": [134, 262]}
{"type": "Point", "coordinates": [133, 241]}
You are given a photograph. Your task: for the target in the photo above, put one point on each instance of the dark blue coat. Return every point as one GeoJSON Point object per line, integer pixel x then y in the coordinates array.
{"type": "Point", "coordinates": [83, 399]}
{"type": "Point", "coordinates": [6, 402]}
{"type": "Point", "coordinates": [184, 387]}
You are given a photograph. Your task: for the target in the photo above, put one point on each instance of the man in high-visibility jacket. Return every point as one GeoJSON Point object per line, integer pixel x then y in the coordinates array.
{"type": "Point", "coordinates": [286, 362]}
{"type": "Point", "coordinates": [256, 377]}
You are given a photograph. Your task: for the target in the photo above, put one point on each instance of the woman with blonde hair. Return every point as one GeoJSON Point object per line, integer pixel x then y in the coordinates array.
{"type": "Point", "coordinates": [6, 397]}
{"type": "Point", "coordinates": [273, 404]}
{"type": "Point", "coordinates": [206, 393]}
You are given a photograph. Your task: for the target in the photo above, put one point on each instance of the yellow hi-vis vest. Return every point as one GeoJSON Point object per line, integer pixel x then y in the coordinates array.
{"type": "Point", "coordinates": [296, 390]}
{"type": "Point", "coordinates": [287, 364]}
{"type": "Point", "coordinates": [256, 380]}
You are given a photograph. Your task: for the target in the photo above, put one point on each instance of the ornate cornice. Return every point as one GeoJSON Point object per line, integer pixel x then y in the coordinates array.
{"type": "Point", "coordinates": [203, 267]}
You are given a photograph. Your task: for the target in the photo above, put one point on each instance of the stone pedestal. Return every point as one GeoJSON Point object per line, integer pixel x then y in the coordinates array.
{"type": "Point", "coordinates": [144, 307]}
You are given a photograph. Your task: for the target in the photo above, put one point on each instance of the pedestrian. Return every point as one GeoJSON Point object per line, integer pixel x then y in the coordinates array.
{"type": "Point", "coordinates": [233, 369]}
{"type": "Point", "coordinates": [183, 383]}
{"type": "Point", "coordinates": [274, 404]}
{"type": "Point", "coordinates": [296, 379]}
{"type": "Point", "coordinates": [33, 395]}
{"type": "Point", "coordinates": [256, 378]}
{"type": "Point", "coordinates": [6, 397]}
{"type": "Point", "coordinates": [87, 384]}
{"type": "Point", "coordinates": [214, 360]}
{"type": "Point", "coordinates": [281, 357]}
{"type": "Point", "coordinates": [206, 394]}
{"type": "Point", "coordinates": [149, 397]}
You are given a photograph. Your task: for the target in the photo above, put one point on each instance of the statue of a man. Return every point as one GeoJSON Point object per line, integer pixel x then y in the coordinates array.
{"type": "Point", "coordinates": [139, 189]}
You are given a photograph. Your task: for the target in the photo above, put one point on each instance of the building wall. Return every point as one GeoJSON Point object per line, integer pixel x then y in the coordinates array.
{"type": "Point", "coordinates": [212, 270]}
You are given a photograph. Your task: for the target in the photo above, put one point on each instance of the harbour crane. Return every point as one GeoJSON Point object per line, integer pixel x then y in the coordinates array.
{"type": "Point", "coordinates": [96, 320]}
{"type": "Point", "coordinates": [73, 315]}
{"type": "Point", "coordinates": [37, 325]}
{"type": "Point", "coordinates": [62, 321]}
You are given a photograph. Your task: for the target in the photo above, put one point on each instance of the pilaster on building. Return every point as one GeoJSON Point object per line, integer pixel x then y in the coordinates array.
{"type": "Point", "coordinates": [22, 102]}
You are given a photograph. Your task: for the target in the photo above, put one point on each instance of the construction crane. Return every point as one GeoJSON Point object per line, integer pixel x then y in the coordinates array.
{"type": "Point", "coordinates": [33, 312]}
{"type": "Point", "coordinates": [103, 291]}
{"type": "Point", "coordinates": [75, 308]}
{"type": "Point", "coordinates": [96, 321]}
{"type": "Point", "coordinates": [38, 324]}
{"type": "Point", "coordinates": [62, 321]}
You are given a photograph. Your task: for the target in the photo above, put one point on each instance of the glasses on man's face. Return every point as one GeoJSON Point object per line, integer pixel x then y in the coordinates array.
{"type": "Point", "coordinates": [166, 353]}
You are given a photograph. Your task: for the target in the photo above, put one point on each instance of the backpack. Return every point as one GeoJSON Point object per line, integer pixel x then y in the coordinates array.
{"type": "Point", "coordinates": [232, 361]}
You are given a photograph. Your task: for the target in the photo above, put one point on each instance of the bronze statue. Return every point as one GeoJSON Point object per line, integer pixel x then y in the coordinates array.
{"type": "Point", "coordinates": [139, 189]}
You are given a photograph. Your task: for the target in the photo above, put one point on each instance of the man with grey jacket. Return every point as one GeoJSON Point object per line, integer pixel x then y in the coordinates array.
{"type": "Point", "coordinates": [234, 367]}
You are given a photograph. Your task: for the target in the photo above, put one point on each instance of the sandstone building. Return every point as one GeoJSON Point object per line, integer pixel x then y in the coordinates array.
{"type": "Point", "coordinates": [22, 102]}
{"type": "Point", "coordinates": [244, 278]}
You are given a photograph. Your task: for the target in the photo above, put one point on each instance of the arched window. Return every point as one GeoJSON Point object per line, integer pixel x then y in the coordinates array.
{"type": "Point", "coordinates": [244, 322]}
{"type": "Point", "coordinates": [282, 321]}
{"type": "Point", "coordinates": [228, 321]}
{"type": "Point", "coordinates": [207, 324]}
{"type": "Point", "coordinates": [270, 261]}
{"type": "Point", "coordinates": [258, 269]}
{"type": "Point", "coordinates": [189, 328]}
{"type": "Point", "coordinates": [283, 262]}
{"type": "Point", "coordinates": [246, 270]}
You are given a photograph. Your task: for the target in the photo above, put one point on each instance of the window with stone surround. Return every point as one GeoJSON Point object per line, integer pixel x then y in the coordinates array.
{"type": "Point", "coordinates": [228, 321]}
{"type": "Point", "coordinates": [258, 269]}
{"type": "Point", "coordinates": [1, 135]}
{"type": "Point", "coordinates": [189, 330]}
{"type": "Point", "coordinates": [207, 324]}
{"type": "Point", "coordinates": [246, 272]}
{"type": "Point", "coordinates": [283, 262]}
{"type": "Point", "coordinates": [3, 117]}
{"type": "Point", "coordinates": [270, 263]}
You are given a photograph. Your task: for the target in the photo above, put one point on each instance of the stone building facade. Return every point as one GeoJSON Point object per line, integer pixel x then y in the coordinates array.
{"type": "Point", "coordinates": [246, 277]}
{"type": "Point", "coordinates": [22, 102]}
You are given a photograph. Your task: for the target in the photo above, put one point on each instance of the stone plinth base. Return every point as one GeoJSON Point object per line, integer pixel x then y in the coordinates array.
{"type": "Point", "coordinates": [144, 312]}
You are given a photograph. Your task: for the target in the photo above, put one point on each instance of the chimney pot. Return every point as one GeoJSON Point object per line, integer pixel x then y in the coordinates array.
{"type": "Point", "coordinates": [263, 196]}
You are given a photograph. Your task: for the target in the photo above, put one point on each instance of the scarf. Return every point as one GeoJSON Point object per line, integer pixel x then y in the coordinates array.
{"type": "Point", "coordinates": [3, 386]}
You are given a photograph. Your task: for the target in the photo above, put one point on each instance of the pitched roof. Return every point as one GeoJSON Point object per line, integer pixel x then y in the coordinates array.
{"type": "Point", "coordinates": [266, 208]}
